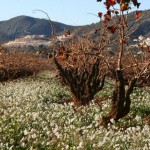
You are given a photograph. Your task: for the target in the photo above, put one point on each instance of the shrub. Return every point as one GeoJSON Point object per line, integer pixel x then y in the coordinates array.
{"type": "Point", "coordinates": [17, 64]}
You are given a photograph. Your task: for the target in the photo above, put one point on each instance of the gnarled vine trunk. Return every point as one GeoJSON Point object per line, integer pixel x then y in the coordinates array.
{"type": "Point", "coordinates": [84, 83]}
{"type": "Point", "coordinates": [120, 104]}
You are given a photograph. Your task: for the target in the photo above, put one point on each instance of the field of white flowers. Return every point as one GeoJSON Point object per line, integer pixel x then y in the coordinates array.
{"type": "Point", "coordinates": [33, 115]}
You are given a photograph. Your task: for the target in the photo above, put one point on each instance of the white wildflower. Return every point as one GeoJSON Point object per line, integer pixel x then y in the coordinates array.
{"type": "Point", "coordinates": [80, 145]}
{"type": "Point", "coordinates": [138, 118]}
{"type": "Point", "coordinates": [25, 132]}
{"type": "Point", "coordinates": [23, 144]}
{"type": "Point", "coordinates": [33, 136]}
{"type": "Point", "coordinates": [98, 117]}
{"type": "Point", "coordinates": [48, 132]}
{"type": "Point", "coordinates": [112, 120]}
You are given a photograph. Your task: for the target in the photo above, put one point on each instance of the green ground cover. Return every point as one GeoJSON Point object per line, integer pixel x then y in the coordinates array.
{"type": "Point", "coordinates": [33, 115]}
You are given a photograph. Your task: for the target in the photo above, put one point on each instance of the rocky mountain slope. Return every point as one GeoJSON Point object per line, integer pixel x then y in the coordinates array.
{"type": "Point", "coordinates": [143, 26]}
{"type": "Point", "coordinates": [24, 25]}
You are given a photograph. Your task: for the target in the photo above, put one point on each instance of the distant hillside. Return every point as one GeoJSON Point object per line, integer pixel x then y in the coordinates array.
{"type": "Point", "coordinates": [144, 26]}
{"type": "Point", "coordinates": [24, 25]}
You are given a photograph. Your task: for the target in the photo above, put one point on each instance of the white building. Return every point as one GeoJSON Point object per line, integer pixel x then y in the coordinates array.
{"type": "Point", "coordinates": [141, 38]}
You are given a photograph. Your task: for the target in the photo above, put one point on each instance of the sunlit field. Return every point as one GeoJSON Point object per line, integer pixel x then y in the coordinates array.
{"type": "Point", "coordinates": [36, 113]}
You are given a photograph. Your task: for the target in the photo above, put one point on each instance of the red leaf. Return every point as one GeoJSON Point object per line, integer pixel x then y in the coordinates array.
{"type": "Point", "coordinates": [104, 24]}
{"type": "Point", "coordinates": [103, 34]}
{"type": "Point", "coordinates": [74, 59]}
{"type": "Point", "coordinates": [135, 3]}
{"type": "Point", "coordinates": [116, 12]}
{"type": "Point", "coordinates": [97, 30]}
{"type": "Point", "coordinates": [111, 2]}
{"type": "Point", "coordinates": [100, 14]}
{"type": "Point", "coordinates": [138, 14]}
{"type": "Point", "coordinates": [60, 53]}
{"type": "Point", "coordinates": [107, 17]}
{"type": "Point", "coordinates": [95, 49]}
{"type": "Point", "coordinates": [125, 24]}
{"type": "Point", "coordinates": [112, 29]}
{"type": "Point", "coordinates": [61, 48]}
{"type": "Point", "coordinates": [138, 5]}
{"type": "Point", "coordinates": [142, 47]}
{"type": "Point", "coordinates": [107, 5]}
{"type": "Point", "coordinates": [118, 1]}
{"type": "Point", "coordinates": [67, 33]}
{"type": "Point", "coordinates": [62, 57]}
{"type": "Point", "coordinates": [109, 12]}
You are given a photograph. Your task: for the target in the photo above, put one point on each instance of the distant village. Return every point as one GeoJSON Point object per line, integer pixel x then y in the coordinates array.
{"type": "Point", "coordinates": [34, 42]}
{"type": "Point", "coordinates": [41, 42]}
{"type": "Point", "coordinates": [141, 41]}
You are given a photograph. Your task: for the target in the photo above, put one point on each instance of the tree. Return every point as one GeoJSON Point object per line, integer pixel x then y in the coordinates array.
{"type": "Point", "coordinates": [84, 63]}
{"type": "Point", "coordinates": [131, 73]}
{"type": "Point", "coordinates": [80, 71]}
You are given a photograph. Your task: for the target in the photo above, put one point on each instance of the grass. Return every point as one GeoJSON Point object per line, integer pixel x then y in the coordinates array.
{"type": "Point", "coordinates": [33, 115]}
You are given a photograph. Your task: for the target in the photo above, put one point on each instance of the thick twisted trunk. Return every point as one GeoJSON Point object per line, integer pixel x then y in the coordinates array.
{"type": "Point", "coordinates": [84, 83]}
{"type": "Point", "coordinates": [120, 104]}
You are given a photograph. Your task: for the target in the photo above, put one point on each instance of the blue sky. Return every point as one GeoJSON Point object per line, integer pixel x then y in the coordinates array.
{"type": "Point", "coordinates": [72, 12]}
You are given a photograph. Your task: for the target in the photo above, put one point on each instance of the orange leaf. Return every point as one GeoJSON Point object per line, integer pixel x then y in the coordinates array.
{"type": "Point", "coordinates": [111, 2]}
{"type": "Point", "coordinates": [124, 7]}
{"type": "Point", "coordinates": [107, 16]}
{"type": "Point", "coordinates": [138, 14]}
{"type": "Point", "coordinates": [62, 57]}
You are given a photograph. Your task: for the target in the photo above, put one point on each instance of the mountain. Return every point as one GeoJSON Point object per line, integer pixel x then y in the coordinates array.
{"type": "Point", "coordinates": [143, 26]}
{"type": "Point", "coordinates": [25, 25]}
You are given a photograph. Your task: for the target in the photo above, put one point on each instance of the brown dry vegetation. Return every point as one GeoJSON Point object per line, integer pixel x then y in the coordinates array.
{"type": "Point", "coordinates": [77, 52]}
{"type": "Point", "coordinates": [77, 64]}
{"type": "Point", "coordinates": [15, 64]}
